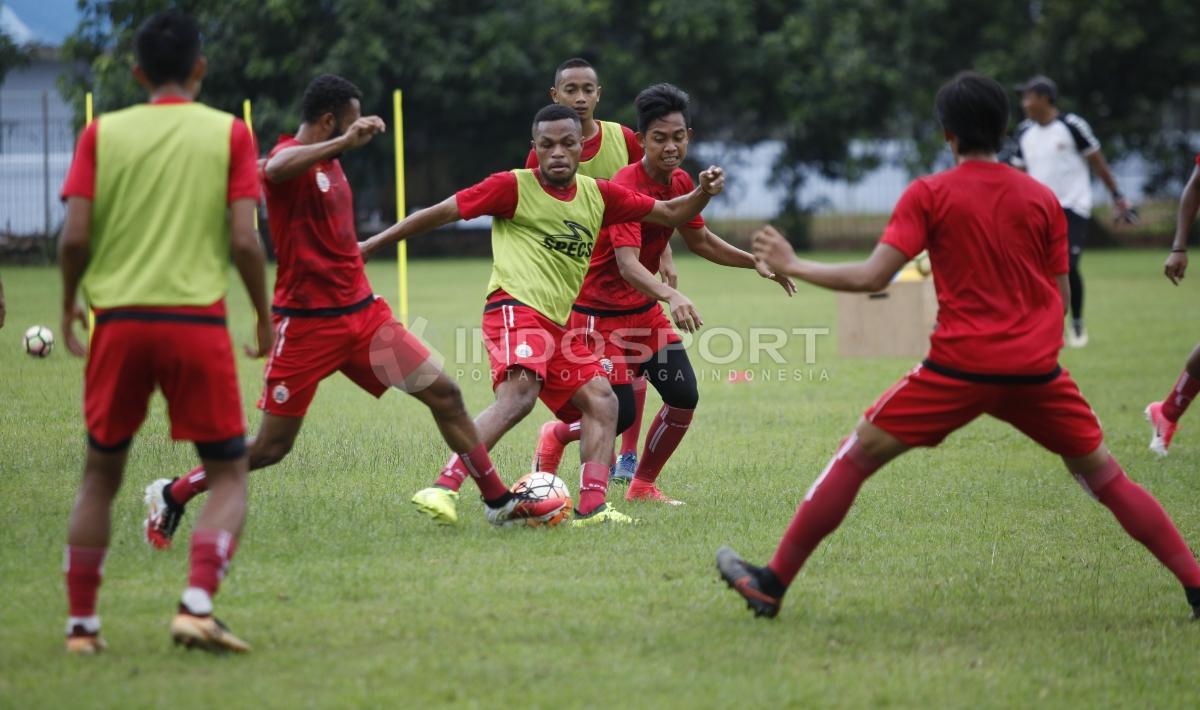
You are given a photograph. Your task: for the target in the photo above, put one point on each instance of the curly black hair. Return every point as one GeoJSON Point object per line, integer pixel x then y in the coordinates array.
{"type": "Point", "coordinates": [555, 112]}
{"type": "Point", "coordinates": [661, 100]}
{"type": "Point", "coordinates": [327, 93]}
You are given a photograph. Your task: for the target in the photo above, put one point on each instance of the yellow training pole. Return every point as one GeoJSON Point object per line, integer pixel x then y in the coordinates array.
{"type": "Point", "coordinates": [87, 114]}
{"type": "Point", "coordinates": [402, 251]}
{"type": "Point", "coordinates": [248, 117]}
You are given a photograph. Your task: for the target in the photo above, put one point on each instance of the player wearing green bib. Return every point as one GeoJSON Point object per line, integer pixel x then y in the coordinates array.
{"type": "Point", "coordinates": [545, 223]}
{"type": "Point", "coordinates": [607, 148]}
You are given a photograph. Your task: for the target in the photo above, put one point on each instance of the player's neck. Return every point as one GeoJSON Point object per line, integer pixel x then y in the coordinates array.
{"type": "Point", "coordinates": [590, 128]}
{"type": "Point", "coordinates": [1048, 117]}
{"type": "Point", "coordinates": [542, 179]}
{"type": "Point", "coordinates": [663, 178]}
{"type": "Point", "coordinates": [309, 134]}
{"type": "Point", "coordinates": [961, 158]}
{"type": "Point", "coordinates": [173, 90]}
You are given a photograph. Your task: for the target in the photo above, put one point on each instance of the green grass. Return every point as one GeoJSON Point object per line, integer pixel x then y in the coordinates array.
{"type": "Point", "coordinates": [976, 575]}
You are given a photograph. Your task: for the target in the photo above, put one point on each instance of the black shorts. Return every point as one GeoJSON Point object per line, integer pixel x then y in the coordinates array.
{"type": "Point", "coordinates": [1077, 230]}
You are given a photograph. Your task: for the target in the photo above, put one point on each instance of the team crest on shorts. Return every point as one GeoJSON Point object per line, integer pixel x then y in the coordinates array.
{"type": "Point", "coordinates": [607, 365]}
{"type": "Point", "coordinates": [322, 181]}
{"type": "Point", "coordinates": [523, 350]}
{"type": "Point", "coordinates": [280, 394]}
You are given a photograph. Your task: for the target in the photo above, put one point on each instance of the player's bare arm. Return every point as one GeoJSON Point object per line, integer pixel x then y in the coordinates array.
{"type": "Point", "coordinates": [702, 242]}
{"type": "Point", "coordinates": [419, 222]}
{"type": "Point", "coordinates": [666, 268]}
{"type": "Point", "coordinates": [673, 213]}
{"type": "Point", "coordinates": [1189, 206]}
{"type": "Point", "coordinates": [1063, 281]}
{"type": "Point", "coordinates": [291, 162]}
{"type": "Point", "coordinates": [683, 311]}
{"type": "Point", "coordinates": [1121, 205]}
{"type": "Point", "coordinates": [73, 249]}
{"type": "Point", "coordinates": [874, 274]}
{"type": "Point", "coordinates": [248, 255]}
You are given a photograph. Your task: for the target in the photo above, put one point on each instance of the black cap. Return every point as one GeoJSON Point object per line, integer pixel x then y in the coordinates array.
{"type": "Point", "coordinates": [1041, 84]}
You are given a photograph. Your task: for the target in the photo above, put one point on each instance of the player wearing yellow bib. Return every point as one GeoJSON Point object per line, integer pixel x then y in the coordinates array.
{"type": "Point", "coordinates": [545, 225]}
{"type": "Point", "coordinates": [607, 148]}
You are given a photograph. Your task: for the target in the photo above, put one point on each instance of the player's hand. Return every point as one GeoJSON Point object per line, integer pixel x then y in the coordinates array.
{"type": "Point", "coordinates": [1123, 212]}
{"type": "Point", "coordinates": [1176, 266]}
{"type": "Point", "coordinates": [76, 314]}
{"type": "Point", "coordinates": [712, 180]}
{"type": "Point", "coordinates": [264, 339]}
{"type": "Point", "coordinates": [362, 131]}
{"type": "Point", "coordinates": [666, 271]}
{"type": "Point", "coordinates": [684, 313]}
{"type": "Point", "coordinates": [772, 251]}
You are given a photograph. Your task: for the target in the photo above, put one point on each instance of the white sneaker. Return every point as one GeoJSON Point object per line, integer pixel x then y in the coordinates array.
{"type": "Point", "coordinates": [162, 518]}
{"type": "Point", "coordinates": [1077, 337]}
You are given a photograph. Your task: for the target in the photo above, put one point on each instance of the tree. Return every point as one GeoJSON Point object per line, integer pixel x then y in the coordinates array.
{"type": "Point", "coordinates": [11, 55]}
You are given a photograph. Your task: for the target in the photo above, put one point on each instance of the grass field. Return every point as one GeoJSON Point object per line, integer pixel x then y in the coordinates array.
{"type": "Point", "coordinates": [977, 575]}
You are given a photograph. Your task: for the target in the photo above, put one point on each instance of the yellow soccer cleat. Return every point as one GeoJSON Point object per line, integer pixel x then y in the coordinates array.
{"type": "Point", "coordinates": [206, 633]}
{"type": "Point", "coordinates": [440, 504]}
{"type": "Point", "coordinates": [604, 514]}
{"type": "Point", "coordinates": [81, 643]}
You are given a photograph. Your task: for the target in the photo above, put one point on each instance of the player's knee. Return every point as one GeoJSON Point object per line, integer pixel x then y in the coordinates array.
{"type": "Point", "coordinates": [447, 400]}
{"type": "Point", "coordinates": [599, 402]}
{"type": "Point", "coordinates": [626, 410]}
{"type": "Point", "coordinates": [269, 453]}
{"type": "Point", "coordinates": [685, 396]}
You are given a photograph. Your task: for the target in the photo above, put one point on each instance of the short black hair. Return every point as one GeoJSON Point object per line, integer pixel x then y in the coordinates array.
{"type": "Point", "coordinates": [574, 63]}
{"type": "Point", "coordinates": [555, 112]}
{"type": "Point", "coordinates": [327, 93]}
{"type": "Point", "coordinates": [167, 45]}
{"type": "Point", "coordinates": [658, 101]}
{"type": "Point", "coordinates": [975, 109]}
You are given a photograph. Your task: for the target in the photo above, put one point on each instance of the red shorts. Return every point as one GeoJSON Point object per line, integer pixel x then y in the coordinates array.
{"type": "Point", "coordinates": [925, 407]}
{"type": "Point", "coordinates": [624, 342]}
{"type": "Point", "coordinates": [368, 346]}
{"type": "Point", "coordinates": [517, 336]}
{"type": "Point", "coordinates": [184, 351]}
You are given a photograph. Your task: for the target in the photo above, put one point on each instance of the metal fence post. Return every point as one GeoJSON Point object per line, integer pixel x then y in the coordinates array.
{"type": "Point", "coordinates": [46, 160]}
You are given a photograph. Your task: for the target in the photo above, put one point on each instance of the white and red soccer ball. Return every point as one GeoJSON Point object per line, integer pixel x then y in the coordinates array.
{"type": "Point", "coordinates": [39, 341]}
{"type": "Point", "coordinates": [542, 486]}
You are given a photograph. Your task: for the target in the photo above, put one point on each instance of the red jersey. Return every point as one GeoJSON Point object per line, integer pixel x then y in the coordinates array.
{"type": "Point", "coordinates": [497, 196]}
{"type": "Point", "coordinates": [316, 244]}
{"type": "Point", "coordinates": [243, 161]}
{"type": "Point", "coordinates": [604, 288]}
{"type": "Point", "coordinates": [591, 146]}
{"type": "Point", "coordinates": [997, 239]}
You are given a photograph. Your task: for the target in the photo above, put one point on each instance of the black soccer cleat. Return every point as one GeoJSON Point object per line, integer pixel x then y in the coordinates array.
{"type": "Point", "coordinates": [751, 582]}
{"type": "Point", "coordinates": [1193, 597]}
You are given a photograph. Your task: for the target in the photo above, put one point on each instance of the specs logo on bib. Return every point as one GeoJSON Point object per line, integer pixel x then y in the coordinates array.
{"type": "Point", "coordinates": [578, 242]}
{"type": "Point", "coordinates": [323, 183]}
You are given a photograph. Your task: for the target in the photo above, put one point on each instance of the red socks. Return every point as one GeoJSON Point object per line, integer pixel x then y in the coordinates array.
{"type": "Point", "coordinates": [478, 465]}
{"type": "Point", "coordinates": [629, 438]}
{"type": "Point", "coordinates": [1181, 396]}
{"type": "Point", "coordinates": [83, 568]}
{"type": "Point", "coordinates": [666, 431]}
{"type": "Point", "coordinates": [823, 508]}
{"type": "Point", "coordinates": [593, 487]}
{"type": "Point", "coordinates": [188, 487]}
{"type": "Point", "coordinates": [211, 551]}
{"type": "Point", "coordinates": [1144, 519]}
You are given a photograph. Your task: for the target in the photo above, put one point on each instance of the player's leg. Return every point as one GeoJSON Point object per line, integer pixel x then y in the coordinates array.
{"type": "Point", "coordinates": [87, 545]}
{"type": "Point", "coordinates": [1077, 229]}
{"type": "Point", "coordinates": [670, 371]}
{"type": "Point", "coordinates": [1164, 415]}
{"type": "Point", "coordinates": [555, 435]}
{"type": "Point", "coordinates": [598, 405]}
{"type": "Point", "coordinates": [628, 460]}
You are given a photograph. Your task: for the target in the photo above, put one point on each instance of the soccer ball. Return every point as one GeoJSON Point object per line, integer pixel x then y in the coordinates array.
{"type": "Point", "coordinates": [542, 485]}
{"type": "Point", "coordinates": [39, 341]}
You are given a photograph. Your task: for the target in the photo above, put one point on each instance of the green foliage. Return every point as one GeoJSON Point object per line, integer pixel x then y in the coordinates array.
{"type": "Point", "coordinates": [821, 75]}
{"type": "Point", "coordinates": [11, 56]}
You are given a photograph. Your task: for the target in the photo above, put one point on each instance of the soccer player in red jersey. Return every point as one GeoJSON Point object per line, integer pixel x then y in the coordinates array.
{"type": "Point", "coordinates": [997, 240]}
{"type": "Point", "coordinates": [1164, 415]}
{"type": "Point", "coordinates": [327, 320]}
{"type": "Point", "coordinates": [618, 304]}
{"type": "Point", "coordinates": [148, 240]}
{"type": "Point", "coordinates": [607, 148]}
{"type": "Point", "coordinates": [543, 234]}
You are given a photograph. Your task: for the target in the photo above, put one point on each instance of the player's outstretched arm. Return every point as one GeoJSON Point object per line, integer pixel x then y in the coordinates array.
{"type": "Point", "coordinates": [683, 311]}
{"type": "Point", "coordinates": [291, 162]}
{"type": "Point", "coordinates": [703, 242]}
{"type": "Point", "coordinates": [1189, 206]}
{"type": "Point", "coordinates": [874, 274]}
{"type": "Point", "coordinates": [419, 222]}
{"type": "Point", "coordinates": [673, 213]}
{"type": "Point", "coordinates": [1123, 209]}
{"type": "Point", "coordinates": [74, 247]}
{"type": "Point", "coordinates": [246, 249]}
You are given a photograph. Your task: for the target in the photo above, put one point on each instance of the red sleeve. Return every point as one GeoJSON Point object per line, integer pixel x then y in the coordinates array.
{"type": "Point", "coordinates": [243, 164]}
{"type": "Point", "coordinates": [908, 229]}
{"type": "Point", "coordinates": [531, 160]}
{"type": "Point", "coordinates": [623, 205]}
{"type": "Point", "coordinates": [631, 145]}
{"type": "Point", "coordinates": [683, 185]}
{"type": "Point", "coordinates": [495, 196]}
{"type": "Point", "coordinates": [1059, 256]}
{"type": "Point", "coordinates": [625, 234]}
{"type": "Point", "coordinates": [81, 178]}
{"type": "Point", "coordinates": [1198, 160]}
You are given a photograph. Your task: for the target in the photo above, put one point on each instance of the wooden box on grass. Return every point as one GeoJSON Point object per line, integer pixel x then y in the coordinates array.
{"type": "Point", "coordinates": [893, 323]}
